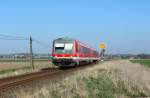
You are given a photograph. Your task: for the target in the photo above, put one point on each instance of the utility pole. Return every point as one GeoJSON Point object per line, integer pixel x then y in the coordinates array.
{"type": "Point", "coordinates": [31, 54]}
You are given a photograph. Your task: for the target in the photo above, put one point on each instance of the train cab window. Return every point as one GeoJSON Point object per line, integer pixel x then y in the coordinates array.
{"type": "Point", "coordinates": [63, 48]}
{"type": "Point", "coordinates": [59, 46]}
{"type": "Point", "coordinates": [68, 46]}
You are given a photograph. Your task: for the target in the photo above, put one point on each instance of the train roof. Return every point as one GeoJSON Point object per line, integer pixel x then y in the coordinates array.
{"type": "Point", "coordinates": [64, 38]}
{"type": "Point", "coordinates": [86, 45]}
{"type": "Point", "coordinates": [71, 39]}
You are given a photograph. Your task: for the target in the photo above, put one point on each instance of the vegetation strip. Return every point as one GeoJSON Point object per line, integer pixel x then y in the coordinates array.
{"type": "Point", "coordinates": [142, 62]}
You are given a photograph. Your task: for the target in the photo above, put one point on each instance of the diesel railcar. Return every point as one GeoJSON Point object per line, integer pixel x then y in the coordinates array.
{"type": "Point", "coordinates": [70, 52]}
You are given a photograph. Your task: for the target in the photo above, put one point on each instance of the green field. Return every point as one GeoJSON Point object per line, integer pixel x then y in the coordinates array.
{"type": "Point", "coordinates": [142, 62]}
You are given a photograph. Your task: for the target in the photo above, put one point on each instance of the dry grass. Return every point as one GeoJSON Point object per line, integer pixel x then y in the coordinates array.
{"type": "Point", "coordinates": [108, 80]}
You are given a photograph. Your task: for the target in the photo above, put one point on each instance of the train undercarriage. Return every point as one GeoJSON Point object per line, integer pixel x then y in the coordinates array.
{"type": "Point", "coordinates": [69, 62]}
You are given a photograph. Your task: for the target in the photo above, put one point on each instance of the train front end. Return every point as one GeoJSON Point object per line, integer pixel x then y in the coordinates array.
{"type": "Point", "coordinates": [64, 52]}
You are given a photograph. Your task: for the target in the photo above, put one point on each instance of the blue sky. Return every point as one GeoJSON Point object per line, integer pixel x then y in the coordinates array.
{"type": "Point", "coordinates": [122, 24]}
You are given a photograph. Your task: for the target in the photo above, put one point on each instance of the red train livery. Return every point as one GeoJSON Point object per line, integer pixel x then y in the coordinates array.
{"type": "Point", "coordinates": [70, 52]}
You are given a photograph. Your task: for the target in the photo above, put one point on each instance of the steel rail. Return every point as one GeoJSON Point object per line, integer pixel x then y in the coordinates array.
{"type": "Point", "coordinates": [10, 82]}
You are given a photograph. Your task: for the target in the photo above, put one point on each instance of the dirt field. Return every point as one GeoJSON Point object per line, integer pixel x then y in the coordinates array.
{"type": "Point", "coordinates": [13, 68]}
{"type": "Point", "coordinates": [18, 65]}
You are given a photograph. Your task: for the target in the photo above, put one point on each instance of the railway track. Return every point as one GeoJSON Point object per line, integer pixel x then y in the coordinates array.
{"type": "Point", "coordinates": [10, 82]}
{"type": "Point", "coordinates": [7, 85]}
{"type": "Point", "coordinates": [13, 81]}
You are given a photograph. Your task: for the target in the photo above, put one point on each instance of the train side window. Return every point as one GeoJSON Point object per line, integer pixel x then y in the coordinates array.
{"type": "Point", "coordinates": [81, 48]}
{"type": "Point", "coordinates": [78, 48]}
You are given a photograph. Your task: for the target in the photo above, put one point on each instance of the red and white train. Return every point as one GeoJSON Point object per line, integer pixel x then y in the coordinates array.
{"type": "Point", "coordinates": [70, 52]}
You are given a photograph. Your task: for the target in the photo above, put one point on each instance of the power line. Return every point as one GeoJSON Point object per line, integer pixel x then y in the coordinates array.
{"type": "Point", "coordinates": [10, 36]}
{"type": "Point", "coordinates": [41, 43]}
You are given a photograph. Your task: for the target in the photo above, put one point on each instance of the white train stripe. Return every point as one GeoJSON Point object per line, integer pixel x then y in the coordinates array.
{"type": "Point", "coordinates": [77, 58]}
